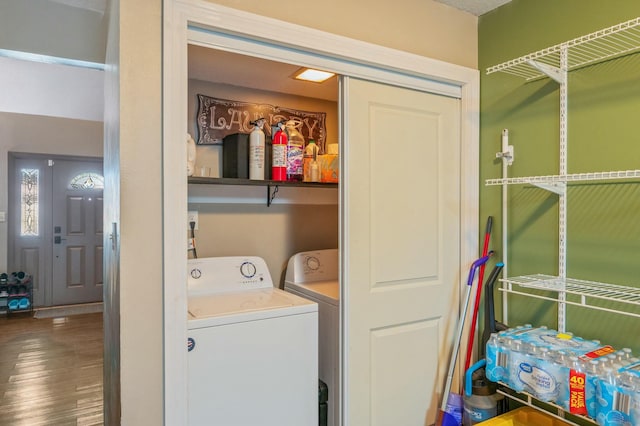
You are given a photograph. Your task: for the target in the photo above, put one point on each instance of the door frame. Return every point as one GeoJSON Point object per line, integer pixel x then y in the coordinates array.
{"type": "Point", "coordinates": [47, 280]}
{"type": "Point", "coordinates": [208, 24]}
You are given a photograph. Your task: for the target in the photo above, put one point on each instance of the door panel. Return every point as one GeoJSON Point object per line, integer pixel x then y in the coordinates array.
{"type": "Point", "coordinates": [401, 237]}
{"type": "Point", "coordinates": [77, 221]}
{"type": "Point", "coordinates": [29, 245]}
{"type": "Point", "coordinates": [392, 383]}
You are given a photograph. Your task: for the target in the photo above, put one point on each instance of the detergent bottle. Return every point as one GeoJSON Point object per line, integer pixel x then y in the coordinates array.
{"type": "Point", "coordinates": [310, 163]}
{"type": "Point", "coordinates": [295, 151]}
{"type": "Point", "coordinates": [279, 154]}
{"type": "Point", "coordinates": [256, 151]}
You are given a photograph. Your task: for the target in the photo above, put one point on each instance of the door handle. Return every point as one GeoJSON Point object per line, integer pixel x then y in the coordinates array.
{"type": "Point", "coordinates": [58, 240]}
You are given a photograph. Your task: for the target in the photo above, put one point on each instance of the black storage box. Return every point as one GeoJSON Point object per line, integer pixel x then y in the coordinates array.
{"type": "Point", "coordinates": [235, 156]}
{"type": "Point", "coordinates": [323, 408]}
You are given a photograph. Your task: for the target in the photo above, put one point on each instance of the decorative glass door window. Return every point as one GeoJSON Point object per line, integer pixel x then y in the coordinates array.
{"type": "Point", "coordinates": [29, 196]}
{"type": "Point", "coordinates": [87, 181]}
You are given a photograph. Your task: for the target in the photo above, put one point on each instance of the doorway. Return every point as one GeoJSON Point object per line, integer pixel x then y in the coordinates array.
{"type": "Point", "coordinates": [221, 28]}
{"type": "Point", "coordinates": [55, 226]}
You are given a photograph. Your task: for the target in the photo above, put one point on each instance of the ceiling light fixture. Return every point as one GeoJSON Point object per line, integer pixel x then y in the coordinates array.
{"type": "Point", "coordinates": [309, 74]}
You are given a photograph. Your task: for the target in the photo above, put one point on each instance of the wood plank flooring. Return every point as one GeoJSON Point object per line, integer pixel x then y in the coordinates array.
{"type": "Point", "coordinates": [51, 370]}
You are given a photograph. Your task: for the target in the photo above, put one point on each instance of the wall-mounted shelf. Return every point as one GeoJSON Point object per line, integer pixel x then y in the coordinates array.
{"type": "Point", "coordinates": [528, 399]}
{"type": "Point", "coordinates": [556, 62]}
{"type": "Point", "coordinates": [599, 46]}
{"type": "Point", "coordinates": [246, 191]}
{"type": "Point", "coordinates": [555, 183]}
{"type": "Point", "coordinates": [584, 293]}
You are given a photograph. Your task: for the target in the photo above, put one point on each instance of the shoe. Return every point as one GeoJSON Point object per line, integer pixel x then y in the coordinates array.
{"type": "Point", "coordinates": [4, 278]}
{"type": "Point", "coordinates": [23, 303]}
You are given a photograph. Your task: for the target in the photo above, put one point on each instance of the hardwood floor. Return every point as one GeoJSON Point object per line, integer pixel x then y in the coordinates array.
{"type": "Point", "coordinates": [51, 370]}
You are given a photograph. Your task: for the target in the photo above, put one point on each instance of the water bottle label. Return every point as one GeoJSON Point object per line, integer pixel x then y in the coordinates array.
{"type": "Point", "coordinates": [605, 350]}
{"type": "Point", "coordinates": [541, 383]}
{"type": "Point", "coordinates": [577, 400]}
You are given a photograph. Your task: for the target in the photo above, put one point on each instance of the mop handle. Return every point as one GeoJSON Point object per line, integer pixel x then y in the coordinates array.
{"type": "Point", "coordinates": [474, 316]}
{"type": "Point", "coordinates": [456, 347]}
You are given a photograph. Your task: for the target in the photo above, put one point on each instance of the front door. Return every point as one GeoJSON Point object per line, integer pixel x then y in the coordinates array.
{"type": "Point", "coordinates": [57, 227]}
{"type": "Point", "coordinates": [401, 247]}
{"type": "Point", "coordinates": [77, 232]}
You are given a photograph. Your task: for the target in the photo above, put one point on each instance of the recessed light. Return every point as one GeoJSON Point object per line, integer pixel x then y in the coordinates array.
{"type": "Point", "coordinates": [309, 74]}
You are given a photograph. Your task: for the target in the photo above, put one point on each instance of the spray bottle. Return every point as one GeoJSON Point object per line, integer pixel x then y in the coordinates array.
{"type": "Point", "coordinates": [310, 162]}
{"type": "Point", "coordinates": [256, 151]}
{"type": "Point", "coordinates": [279, 154]}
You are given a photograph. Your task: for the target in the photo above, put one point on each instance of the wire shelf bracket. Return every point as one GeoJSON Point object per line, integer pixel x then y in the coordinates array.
{"type": "Point", "coordinates": [599, 46]}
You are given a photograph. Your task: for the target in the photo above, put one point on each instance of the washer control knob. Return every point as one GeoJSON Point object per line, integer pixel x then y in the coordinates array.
{"type": "Point", "coordinates": [313, 263]}
{"type": "Point", "coordinates": [248, 269]}
{"type": "Point", "coordinates": [196, 273]}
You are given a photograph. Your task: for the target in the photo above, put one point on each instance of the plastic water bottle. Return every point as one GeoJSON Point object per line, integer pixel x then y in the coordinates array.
{"type": "Point", "coordinates": [497, 353]}
{"type": "Point", "coordinates": [593, 371]}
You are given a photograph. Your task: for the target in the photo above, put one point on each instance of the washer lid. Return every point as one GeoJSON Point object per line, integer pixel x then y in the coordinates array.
{"type": "Point", "coordinates": [247, 305]}
{"type": "Point", "coordinates": [327, 291]}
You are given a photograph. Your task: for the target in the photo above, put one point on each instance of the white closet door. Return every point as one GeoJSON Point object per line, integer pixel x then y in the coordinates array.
{"type": "Point", "coordinates": [401, 247]}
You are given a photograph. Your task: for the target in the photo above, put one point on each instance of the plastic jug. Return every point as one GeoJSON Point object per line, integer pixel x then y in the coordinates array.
{"type": "Point", "coordinates": [295, 148]}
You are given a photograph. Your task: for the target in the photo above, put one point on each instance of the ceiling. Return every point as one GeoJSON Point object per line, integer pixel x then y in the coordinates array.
{"type": "Point", "coordinates": [218, 66]}
{"type": "Point", "coordinates": [475, 7]}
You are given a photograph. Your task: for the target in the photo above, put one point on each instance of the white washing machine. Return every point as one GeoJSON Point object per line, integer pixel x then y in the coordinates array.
{"type": "Point", "coordinates": [253, 348]}
{"type": "Point", "coordinates": [314, 275]}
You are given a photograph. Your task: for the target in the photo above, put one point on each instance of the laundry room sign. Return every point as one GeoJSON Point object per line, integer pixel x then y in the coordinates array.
{"type": "Point", "coordinates": [218, 118]}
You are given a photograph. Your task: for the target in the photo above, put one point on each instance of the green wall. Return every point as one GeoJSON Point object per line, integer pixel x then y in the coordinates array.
{"type": "Point", "coordinates": [603, 241]}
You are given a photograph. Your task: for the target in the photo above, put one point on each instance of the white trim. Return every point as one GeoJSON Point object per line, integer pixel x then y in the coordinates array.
{"type": "Point", "coordinates": [174, 211]}
{"type": "Point", "coordinates": [47, 59]}
{"type": "Point", "coordinates": [373, 72]}
{"type": "Point", "coordinates": [343, 228]}
{"type": "Point", "coordinates": [255, 35]}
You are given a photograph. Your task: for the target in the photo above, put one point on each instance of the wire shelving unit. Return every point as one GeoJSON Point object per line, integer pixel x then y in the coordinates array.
{"type": "Point", "coordinates": [555, 62]}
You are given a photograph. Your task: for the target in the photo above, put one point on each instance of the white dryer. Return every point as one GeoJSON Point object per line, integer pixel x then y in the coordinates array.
{"type": "Point", "coordinates": [253, 348]}
{"type": "Point", "coordinates": [315, 275]}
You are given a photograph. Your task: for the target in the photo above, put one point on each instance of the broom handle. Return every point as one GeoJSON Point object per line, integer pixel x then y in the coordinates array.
{"type": "Point", "coordinates": [474, 317]}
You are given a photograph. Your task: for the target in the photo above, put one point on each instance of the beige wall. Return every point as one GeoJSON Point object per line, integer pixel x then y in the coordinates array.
{"type": "Point", "coordinates": [423, 27]}
{"type": "Point", "coordinates": [273, 233]}
{"type": "Point", "coordinates": [133, 163]}
{"type": "Point", "coordinates": [418, 26]}
{"type": "Point", "coordinates": [42, 135]}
